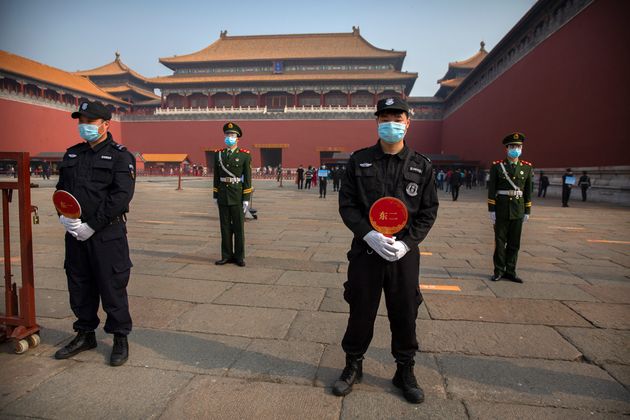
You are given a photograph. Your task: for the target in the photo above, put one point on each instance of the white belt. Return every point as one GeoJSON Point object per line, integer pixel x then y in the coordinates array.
{"type": "Point", "coordinates": [511, 193]}
{"type": "Point", "coordinates": [230, 180]}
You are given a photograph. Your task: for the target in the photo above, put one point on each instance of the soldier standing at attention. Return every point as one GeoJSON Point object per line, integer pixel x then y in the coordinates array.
{"type": "Point", "coordinates": [101, 175]}
{"type": "Point", "coordinates": [232, 189]}
{"type": "Point", "coordinates": [585, 184]}
{"type": "Point", "coordinates": [378, 263]}
{"type": "Point", "coordinates": [509, 204]}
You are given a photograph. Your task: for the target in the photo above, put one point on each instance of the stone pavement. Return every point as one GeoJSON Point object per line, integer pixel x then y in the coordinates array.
{"type": "Point", "coordinates": [264, 341]}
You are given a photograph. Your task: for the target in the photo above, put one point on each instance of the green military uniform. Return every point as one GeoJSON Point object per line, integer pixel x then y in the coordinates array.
{"type": "Point", "coordinates": [232, 186]}
{"type": "Point", "coordinates": [510, 206]}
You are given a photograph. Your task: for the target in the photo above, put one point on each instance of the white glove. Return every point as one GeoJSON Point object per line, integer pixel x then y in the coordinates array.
{"type": "Point", "coordinates": [493, 216]}
{"type": "Point", "coordinates": [401, 249]}
{"type": "Point", "coordinates": [216, 202]}
{"type": "Point", "coordinates": [83, 232]}
{"type": "Point", "coordinates": [68, 223]}
{"type": "Point", "coordinates": [245, 206]}
{"type": "Point", "coordinates": [383, 245]}
{"type": "Point", "coordinates": [525, 218]}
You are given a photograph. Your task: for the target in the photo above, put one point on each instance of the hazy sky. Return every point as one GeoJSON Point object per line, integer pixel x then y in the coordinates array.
{"type": "Point", "coordinates": [79, 35]}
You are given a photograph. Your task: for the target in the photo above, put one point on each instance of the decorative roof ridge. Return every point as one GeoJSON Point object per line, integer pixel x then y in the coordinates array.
{"type": "Point", "coordinates": [478, 56]}
{"type": "Point", "coordinates": [116, 63]}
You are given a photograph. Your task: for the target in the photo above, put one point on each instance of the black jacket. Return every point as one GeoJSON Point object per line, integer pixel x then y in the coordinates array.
{"type": "Point", "coordinates": [372, 174]}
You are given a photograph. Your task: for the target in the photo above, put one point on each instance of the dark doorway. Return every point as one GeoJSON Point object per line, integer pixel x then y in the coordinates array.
{"type": "Point", "coordinates": [270, 157]}
{"type": "Point", "coordinates": [210, 161]}
{"type": "Point", "coordinates": [276, 102]}
{"type": "Point", "coordinates": [324, 156]}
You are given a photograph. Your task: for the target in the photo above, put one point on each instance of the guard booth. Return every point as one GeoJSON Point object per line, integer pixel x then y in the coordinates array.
{"type": "Point", "coordinates": [165, 164]}
{"type": "Point", "coordinates": [271, 154]}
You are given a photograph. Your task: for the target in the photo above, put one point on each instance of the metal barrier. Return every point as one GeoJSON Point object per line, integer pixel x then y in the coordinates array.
{"type": "Point", "coordinates": [18, 321]}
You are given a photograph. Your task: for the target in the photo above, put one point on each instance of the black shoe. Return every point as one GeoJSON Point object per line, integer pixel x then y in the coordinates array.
{"type": "Point", "coordinates": [120, 351]}
{"type": "Point", "coordinates": [405, 379]}
{"type": "Point", "coordinates": [513, 277]}
{"type": "Point", "coordinates": [495, 277]}
{"type": "Point", "coordinates": [223, 261]}
{"type": "Point", "coordinates": [85, 340]}
{"type": "Point", "coordinates": [352, 373]}
{"type": "Point", "coordinates": [240, 263]}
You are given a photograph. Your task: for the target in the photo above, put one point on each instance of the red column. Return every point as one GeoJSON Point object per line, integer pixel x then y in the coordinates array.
{"type": "Point", "coordinates": [349, 99]}
{"type": "Point", "coordinates": [233, 100]}
{"type": "Point", "coordinates": [162, 100]}
{"type": "Point", "coordinates": [209, 100]}
{"type": "Point", "coordinates": [76, 101]}
{"type": "Point", "coordinates": [321, 99]}
{"type": "Point", "coordinates": [22, 88]}
{"type": "Point", "coordinates": [187, 101]}
{"type": "Point", "coordinates": [295, 99]}
{"type": "Point", "coordinates": [259, 99]}
{"type": "Point", "coordinates": [375, 98]}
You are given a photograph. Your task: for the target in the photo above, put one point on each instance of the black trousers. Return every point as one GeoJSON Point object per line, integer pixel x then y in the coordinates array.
{"type": "Point", "coordinates": [455, 192]}
{"type": "Point", "coordinates": [566, 194]}
{"type": "Point", "coordinates": [542, 191]}
{"type": "Point", "coordinates": [98, 270]}
{"type": "Point", "coordinates": [369, 276]}
{"type": "Point", "coordinates": [232, 221]}
{"type": "Point", "coordinates": [584, 189]}
{"type": "Point", "coordinates": [335, 184]}
{"type": "Point", "coordinates": [323, 183]}
{"type": "Point", "coordinates": [308, 184]}
{"type": "Point", "coordinates": [300, 183]}
{"type": "Point", "coordinates": [507, 242]}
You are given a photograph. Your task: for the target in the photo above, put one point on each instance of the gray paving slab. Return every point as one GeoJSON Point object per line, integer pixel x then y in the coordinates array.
{"type": "Point", "coordinates": [533, 382]}
{"type": "Point", "coordinates": [378, 370]}
{"type": "Point", "coordinates": [495, 411]}
{"type": "Point", "coordinates": [278, 361]}
{"type": "Point", "coordinates": [472, 287]}
{"type": "Point", "coordinates": [272, 296]}
{"type": "Point", "coordinates": [600, 346]}
{"type": "Point", "coordinates": [51, 278]}
{"type": "Point", "coordinates": [608, 293]}
{"type": "Point", "coordinates": [492, 339]}
{"type": "Point", "coordinates": [225, 398]}
{"type": "Point", "coordinates": [51, 303]}
{"type": "Point", "coordinates": [604, 315]}
{"type": "Point", "coordinates": [530, 290]}
{"type": "Point", "coordinates": [620, 372]}
{"type": "Point", "coordinates": [21, 373]}
{"type": "Point", "coordinates": [372, 405]}
{"type": "Point", "coordinates": [156, 313]}
{"type": "Point", "coordinates": [295, 265]}
{"type": "Point", "coordinates": [312, 279]}
{"type": "Point", "coordinates": [101, 392]}
{"type": "Point", "coordinates": [175, 288]}
{"type": "Point", "coordinates": [229, 272]}
{"type": "Point", "coordinates": [513, 311]}
{"type": "Point", "coordinates": [236, 320]}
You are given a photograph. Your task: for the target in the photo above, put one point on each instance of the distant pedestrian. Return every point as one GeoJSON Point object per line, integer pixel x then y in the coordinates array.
{"type": "Point", "coordinates": [440, 179]}
{"type": "Point", "coordinates": [308, 175]}
{"type": "Point", "coordinates": [322, 175]}
{"type": "Point", "coordinates": [543, 183]}
{"type": "Point", "coordinates": [568, 180]}
{"type": "Point", "coordinates": [336, 173]}
{"type": "Point", "coordinates": [585, 184]}
{"type": "Point", "coordinates": [455, 183]}
{"type": "Point", "coordinates": [300, 177]}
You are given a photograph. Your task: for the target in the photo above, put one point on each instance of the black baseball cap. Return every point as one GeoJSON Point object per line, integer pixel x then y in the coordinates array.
{"type": "Point", "coordinates": [92, 110]}
{"type": "Point", "coordinates": [391, 104]}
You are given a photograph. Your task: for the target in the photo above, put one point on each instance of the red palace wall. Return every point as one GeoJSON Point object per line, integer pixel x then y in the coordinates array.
{"type": "Point", "coordinates": [35, 129]}
{"type": "Point", "coordinates": [304, 137]}
{"type": "Point", "coordinates": [569, 96]}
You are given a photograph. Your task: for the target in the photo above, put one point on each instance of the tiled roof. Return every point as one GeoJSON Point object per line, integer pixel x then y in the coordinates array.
{"type": "Point", "coordinates": [471, 62]}
{"type": "Point", "coordinates": [453, 83]}
{"type": "Point", "coordinates": [115, 68]}
{"type": "Point", "coordinates": [130, 88]}
{"type": "Point", "coordinates": [29, 69]}
{"type": "Point", "coordinates": [164, 157]}
{"type": "Point", "coordinates": [287, 77]}
{"type": "Point", "coordinates": [285, 47]}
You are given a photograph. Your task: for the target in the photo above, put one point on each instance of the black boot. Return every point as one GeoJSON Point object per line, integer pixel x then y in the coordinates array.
{"type": "Point", "coordinates": [120, 351]}
{"type": "Point", "coordinates": [352, 373]}
{"type": "Point", "coordinates": [406, 380]}
{"type": "Point", "coordinates": [85, 340]}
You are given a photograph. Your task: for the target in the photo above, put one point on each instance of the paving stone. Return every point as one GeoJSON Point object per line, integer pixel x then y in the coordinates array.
{"type": "Point", "coordinates": [533, 382]}
{"type": "Point", "coordinates": [278, 361]}
{"type": "Point", "coordinates": [88, 390]}
{"type": "Point", "coordinates": [265, 296]}
{"type": "Point", "coordinates": [530, 290]}
{"type": "Point", "coordinates": [229, 272]}
{"type": "Point", "coordinates": [471, 287]}
{"type": "Point", "coordinates": [600, 346]}
{"type": "Point", "coordinates": [620, 372]}
{"type": "Point", "coordinates": [51, 303]}
{"type": "Point", "coordinates": [334, 302]}
{"type": "Point", "coordinates": [312, 279]}
{"type": "Point", "coordinates": [155, 313]}
{"type": "Point", "coordinates": [378, 370]}
{"type": "Point", "coordinates": [21, 373]}
{"type": "Point", "coordinates": [51, 278]}
{"type": "Point", "coordinates": [608, 293]}
{"type": "Point", "coordinates": [236, 320]}
{"type": "Point", "coordinates": [372, 405]}
{"type": "Point", "coordinates": [494, 411]}
{"type": "Point", "coordinates": [491, 339]}
{"type": "Point", "coordinates": [604, 315]}
{"type": "Point", "coordinates": [512, 311]}
{"type": "Point", "coordinates": [210, 397]}
{"type": "Point", "coordinates": [188, 290]}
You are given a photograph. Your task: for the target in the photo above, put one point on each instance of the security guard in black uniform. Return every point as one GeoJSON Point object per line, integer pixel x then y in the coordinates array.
{"type": "Point", "coordinates": [100, 174]}
{"type": "Point", "coordinates": [379, 263]}
{"type": "Point", "coordinates": [509, 203]}
{"type": "Point", "coordinates": [232, 189]}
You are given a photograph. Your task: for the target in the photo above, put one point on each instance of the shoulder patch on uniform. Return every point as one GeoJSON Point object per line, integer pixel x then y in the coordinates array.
{"type": "Point", "coordinates": [365, 164]}
{"type": "Point", "coordinates": [425, 157]}
{"type": "Point", "coordinates": [118, 146]}
{"type": "Point", "coordinates": [496, 162]}
{"type": "Point", "coordinates": [245, 151]}
{"type": "Point", "coordinates": [526, 162]}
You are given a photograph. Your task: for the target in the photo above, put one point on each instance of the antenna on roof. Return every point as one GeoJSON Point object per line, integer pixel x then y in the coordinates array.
{"type": "Point", "coordinates": [223, 34]}
{"type": "Point", "coordinates": [356, 30]}
{"type": "Point", "coordinates": [117, 56]}
{"type": "Point", "coordinates": [482, 44]}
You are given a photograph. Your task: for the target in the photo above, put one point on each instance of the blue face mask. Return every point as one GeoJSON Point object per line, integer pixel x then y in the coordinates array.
{"type": "Point", "coordinates": [391, 132]}
{"type": "Point", "coordinates": [513, 153]}
{"type": "Point", "coordinates": [230, 141]}
{"type": "Point", "coordinates": [89, 132]}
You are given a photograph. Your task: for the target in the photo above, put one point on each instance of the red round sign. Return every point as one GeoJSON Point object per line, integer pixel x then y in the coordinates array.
{"type": "Point", "coordinates": [66, 204]}
{"type": "Point", "coordinates": [388, 215]}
